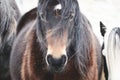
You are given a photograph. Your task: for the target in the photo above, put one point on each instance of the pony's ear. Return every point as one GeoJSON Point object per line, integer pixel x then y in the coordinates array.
{"type": "Point", "coordinates": [102, 29]}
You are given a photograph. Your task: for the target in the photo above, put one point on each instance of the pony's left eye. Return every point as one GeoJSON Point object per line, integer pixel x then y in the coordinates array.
{"type": "Point", "coordinates": [70, 16]}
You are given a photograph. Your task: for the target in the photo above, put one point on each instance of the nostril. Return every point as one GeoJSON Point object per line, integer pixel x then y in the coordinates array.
{"type": "Point", "coordinates": [49, 59]}
{"type": "Point", "coordinates": [63, 59]}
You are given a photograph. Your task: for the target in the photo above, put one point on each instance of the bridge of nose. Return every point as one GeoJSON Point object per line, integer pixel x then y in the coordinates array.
{"type": "Point", "coordinates": [56, 51]}
{"type": "Point", "coordinates": [56, 47]}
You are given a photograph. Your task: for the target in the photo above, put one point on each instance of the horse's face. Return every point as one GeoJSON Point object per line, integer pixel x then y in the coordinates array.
{"type": "Point", "coordinates": [56, 57]}
{"type": "Point", "coordinates": [57, 30]}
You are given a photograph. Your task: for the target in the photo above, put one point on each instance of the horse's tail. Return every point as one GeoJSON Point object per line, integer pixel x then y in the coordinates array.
{"type": "Point", "coordinates": [113, 54]}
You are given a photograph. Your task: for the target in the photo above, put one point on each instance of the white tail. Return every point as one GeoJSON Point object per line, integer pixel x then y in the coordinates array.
{"type": "Point", "coordinates": [112, 54]}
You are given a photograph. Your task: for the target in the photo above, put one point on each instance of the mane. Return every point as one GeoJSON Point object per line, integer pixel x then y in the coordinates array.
{"type": "Point", "coordinates": [83, 46]}
{"type": "Point", "coordinates": [112, 53]}
{"type": "Point", "coordinates": [80, 35]}
{"type": "Point", "coordinates": [9, 13]}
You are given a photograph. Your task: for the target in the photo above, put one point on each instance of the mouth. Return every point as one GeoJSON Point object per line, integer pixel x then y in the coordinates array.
{"type": "Point", "coordinates": [56, 69]}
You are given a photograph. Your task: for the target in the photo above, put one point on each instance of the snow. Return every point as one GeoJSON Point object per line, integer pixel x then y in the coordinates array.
{"type": "Point", "coordinates": [106, 11]}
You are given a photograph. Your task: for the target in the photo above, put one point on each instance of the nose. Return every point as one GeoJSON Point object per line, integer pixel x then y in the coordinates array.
{"type": "Point", "coordinates": [56, 62]}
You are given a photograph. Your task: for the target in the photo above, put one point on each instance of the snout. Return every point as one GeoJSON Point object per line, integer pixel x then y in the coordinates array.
{"type": "Point", "coordinates": [56, 64]}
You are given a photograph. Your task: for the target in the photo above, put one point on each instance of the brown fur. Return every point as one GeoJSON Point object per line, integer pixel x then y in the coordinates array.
{"type": "Point", "coordinates": [29, 70]}
{"type": "Point", "coordinates": [56, 46]}
{"type": "Point", "coordinates": [32, 57]}
{"type": "Point", "coordinates": [31, 15]}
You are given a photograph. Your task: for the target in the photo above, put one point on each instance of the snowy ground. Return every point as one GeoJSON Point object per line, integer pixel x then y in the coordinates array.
{"type": "Point", "coordinates": [107, 11]}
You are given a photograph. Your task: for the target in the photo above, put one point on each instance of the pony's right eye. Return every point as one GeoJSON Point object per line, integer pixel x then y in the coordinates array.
{"type": "Point", "coordinates": [42, 16]}
{"type": "Point", "coordinates": [57, 12]}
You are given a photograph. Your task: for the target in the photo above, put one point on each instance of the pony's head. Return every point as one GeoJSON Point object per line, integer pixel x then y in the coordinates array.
{"type": "Point", "coordinates": [57, 21]}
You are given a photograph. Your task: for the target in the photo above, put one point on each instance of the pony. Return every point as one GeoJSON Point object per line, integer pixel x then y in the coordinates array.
{"type": "Point", "coordinates": [111, 51]}
{"type": "Point", "coordinates": [103, 31]}
{"type": "Point", "coordinates": [9, 15]}
{"type": "Point", "coordinates": [58, 44]}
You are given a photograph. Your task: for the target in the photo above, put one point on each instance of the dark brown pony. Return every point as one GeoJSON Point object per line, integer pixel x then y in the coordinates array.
{"type": "Point", "coordinates": [58, 44]}
{"type": "Point", "coordinates": [9, 15]}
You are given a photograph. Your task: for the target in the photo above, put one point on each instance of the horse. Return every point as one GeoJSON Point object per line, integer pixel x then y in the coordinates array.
{"type": "Point", "coordinates": [103, 31]}
{"type": "Point", "coordinates": [58, 43]}
{"type": "Point", "coordinates": [9, 15]}
{"type": "Point", "coordinates": [111, 51]}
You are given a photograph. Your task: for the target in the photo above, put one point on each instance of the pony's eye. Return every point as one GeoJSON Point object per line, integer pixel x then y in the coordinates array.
{"type": "Point", "coordinates": [42, 16]}
{"type": "Point", "coordinates": [57, 12]}
{"type": "Point", "coordinates": [70, 16]}
{"type": "Point", "coordinates": [57, 9]}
